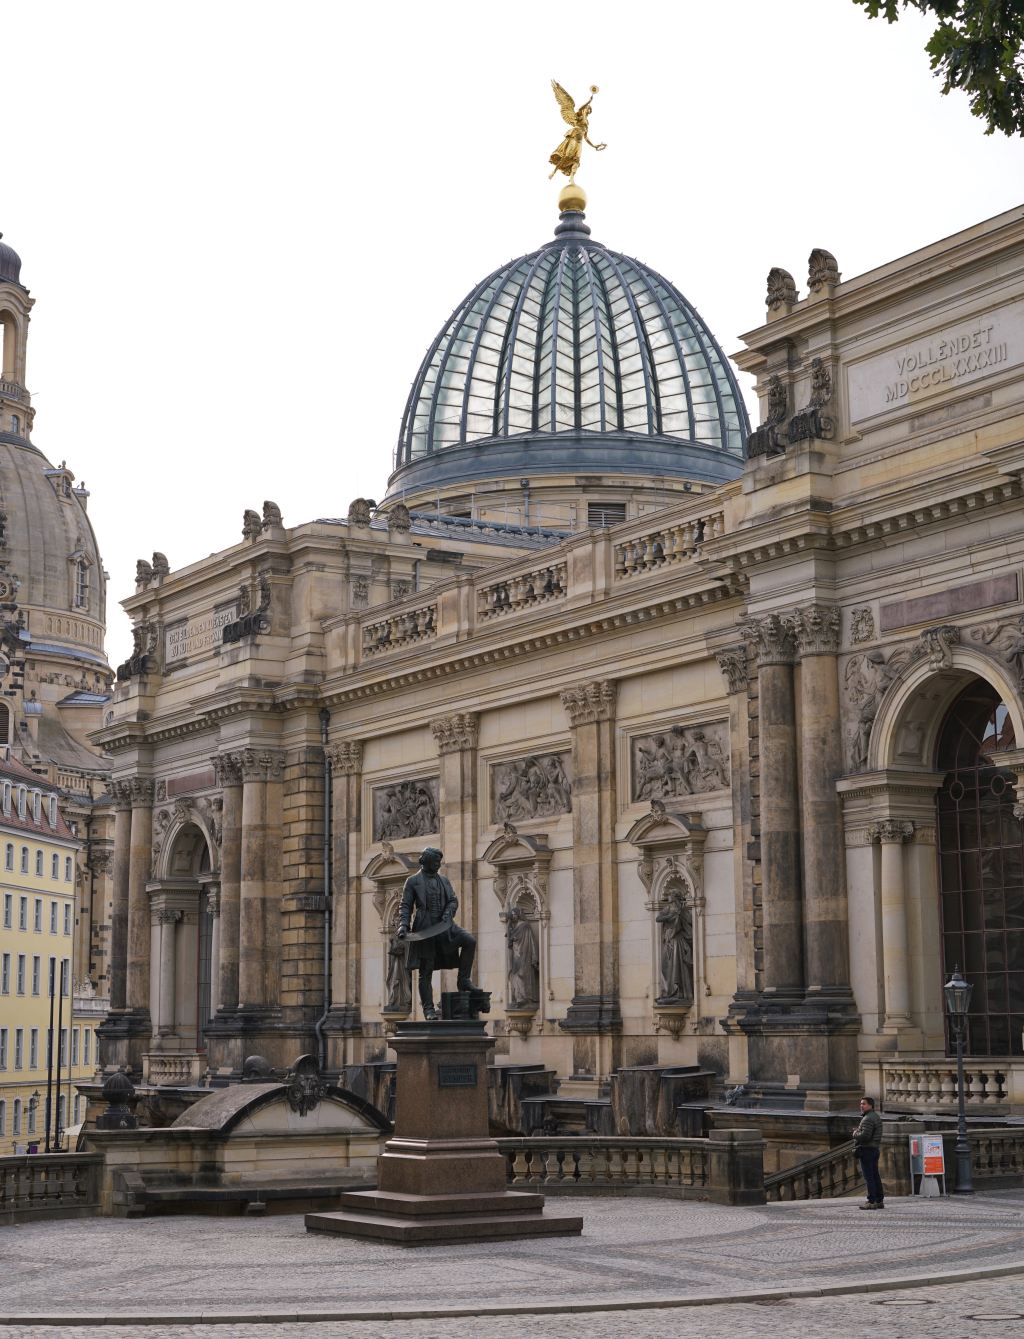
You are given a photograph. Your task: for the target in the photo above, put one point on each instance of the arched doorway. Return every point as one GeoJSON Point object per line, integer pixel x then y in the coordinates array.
{"type": "Point", "coordinates": [981, 868]}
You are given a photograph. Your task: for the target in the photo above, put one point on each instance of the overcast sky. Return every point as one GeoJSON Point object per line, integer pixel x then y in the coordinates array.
{"type": "Point", "coordinates": [243, 222]}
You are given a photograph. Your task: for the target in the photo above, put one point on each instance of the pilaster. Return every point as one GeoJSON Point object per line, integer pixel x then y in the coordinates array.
{"type": "Point", "coordinates": [456, 740]}
{"type": "Point", "coordinates": [342, 1024]}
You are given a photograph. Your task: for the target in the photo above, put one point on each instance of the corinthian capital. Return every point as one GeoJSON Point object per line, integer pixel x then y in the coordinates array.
{"type": "Point", "coordinates": [772, 638]}
{"type": "Point", "coordinates": [589, 702]}
{"type": "Point", "coordinates": [816, 629]}
{"type": "Point", "coordinates": [891, 830]}
{"type": "Point", "coordinates": [141, 789]}
{"type": "Point", "coordinates": [122, 794]}
{"type": "Point", "coordinates": [452, 734]}
{"type": "Point", "coordinates": [228, 767]}
{"type": "Point", "coordinates": [345, 757]}
{"type": "Point", "coordinates": [732, 661]}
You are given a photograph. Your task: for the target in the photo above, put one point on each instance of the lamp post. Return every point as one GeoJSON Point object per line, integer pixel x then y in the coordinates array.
{"type": "Point", "coordinates": [958, 1001]}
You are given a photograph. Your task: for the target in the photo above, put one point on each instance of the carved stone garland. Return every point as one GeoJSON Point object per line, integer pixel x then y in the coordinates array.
{"type": "Point", "coordinates": [671, 866]}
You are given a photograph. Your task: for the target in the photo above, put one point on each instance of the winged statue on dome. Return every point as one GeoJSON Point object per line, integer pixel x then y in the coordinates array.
{"type": "Point", "coordinates": [566, 158]}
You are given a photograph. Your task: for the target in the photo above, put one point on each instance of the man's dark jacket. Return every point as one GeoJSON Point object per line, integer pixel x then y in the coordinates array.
{"type": "Point", "coordinates": [437, 954]}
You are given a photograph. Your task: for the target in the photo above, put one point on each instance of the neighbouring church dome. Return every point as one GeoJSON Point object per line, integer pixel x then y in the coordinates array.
{"type": "Point", "coordinates": [10, 264]}
{"type": "Point", "coordinates": [571, 358]}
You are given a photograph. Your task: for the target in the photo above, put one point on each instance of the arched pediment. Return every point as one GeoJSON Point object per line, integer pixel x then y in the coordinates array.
{"type": "Point", "coordinates": [512, 848]}
{"type": "Point", "coordinates": [390, 866]}
{"type": "Point", "coordinates": [666, 828]}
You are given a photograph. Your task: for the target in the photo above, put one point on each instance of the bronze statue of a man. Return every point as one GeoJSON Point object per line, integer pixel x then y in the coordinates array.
{"type": "Point", "coordinates": [436, 943]}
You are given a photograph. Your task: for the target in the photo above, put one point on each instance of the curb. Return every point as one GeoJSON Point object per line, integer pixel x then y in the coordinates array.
{"type": "Point", "coordinates": [515, 1309]}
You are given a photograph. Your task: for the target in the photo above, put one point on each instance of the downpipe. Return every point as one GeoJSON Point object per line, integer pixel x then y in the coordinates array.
{"type": "Point", "coordinates": [321, 1038]}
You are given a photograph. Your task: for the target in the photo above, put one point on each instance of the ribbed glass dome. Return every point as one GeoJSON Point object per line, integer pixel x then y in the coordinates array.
{"type": "Point", "coordinates": [574, 340]}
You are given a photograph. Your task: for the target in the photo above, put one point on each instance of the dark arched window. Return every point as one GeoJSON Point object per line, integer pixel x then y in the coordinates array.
{"type": "Point", "coordinates": [981, 869]}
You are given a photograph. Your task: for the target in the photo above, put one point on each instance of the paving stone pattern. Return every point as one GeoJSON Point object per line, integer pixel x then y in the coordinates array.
{"type": "Point", "coordinates": [632, 1249]}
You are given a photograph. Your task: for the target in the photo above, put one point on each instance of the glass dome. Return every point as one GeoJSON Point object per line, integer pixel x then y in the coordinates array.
{"type": "Point", "coordinates": [571, 342]}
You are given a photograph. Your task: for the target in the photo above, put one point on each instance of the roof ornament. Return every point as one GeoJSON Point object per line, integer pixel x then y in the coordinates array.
{"type": "Point", "coordinates": [566, 158]}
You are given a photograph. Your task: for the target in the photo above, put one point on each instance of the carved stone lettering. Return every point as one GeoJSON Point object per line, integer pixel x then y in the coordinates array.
{"type": "Point", "coordinates": [405, 809]}
{"type": "Point", "coordinates": [532, 787]}
{"type": "Point", "coordinates": [193, 635]}
{"type": "Point", "coordinates": [683, 760]}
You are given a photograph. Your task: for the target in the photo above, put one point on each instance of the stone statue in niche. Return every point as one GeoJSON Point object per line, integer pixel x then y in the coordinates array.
{"type": "Point", "coordinates": [533, 787]}
{"type": "Point", "coordinates": [676, 950]}
{"type": "Point", "coordinates": [523, 962]}
{"type": "Point", "coordinates": [398, 982]}
{"type": "Point", "coordinates": [407, 809]}
{"type": "Point", "coordinates": [685, 760]}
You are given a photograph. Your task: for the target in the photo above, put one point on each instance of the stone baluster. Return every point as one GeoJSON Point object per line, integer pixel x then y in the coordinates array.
{"type": "Point", "coordinates": [456, 738]}
{"type": "Point", "coordinates": [121, 792]}
{"type": "Point", "coordinates": [139, 861]}
{"type": "Point", "coordinates": [594, 1019]}
{"type": "Point", "coordinates": [229, 773]}
{"type": "Point", "coordinates": [892, 834]}
{"type": "Point", "coordinates": [783, 973]}
{"type": "Point", "coordinates": [826, 935]}
{"type": "Point", "coordinates": [346, 759]}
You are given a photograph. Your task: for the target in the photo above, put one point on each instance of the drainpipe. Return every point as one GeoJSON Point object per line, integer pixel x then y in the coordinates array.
{"type": "Point", "coordinates": [325, 717]}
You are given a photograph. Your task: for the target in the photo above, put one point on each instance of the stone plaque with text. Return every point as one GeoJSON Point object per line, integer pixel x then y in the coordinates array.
{"type": "Point", "coordinates": [192, 636]}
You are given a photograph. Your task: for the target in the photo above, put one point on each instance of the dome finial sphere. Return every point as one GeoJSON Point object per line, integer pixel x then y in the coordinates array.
{"type": "Point", "coordinates": [572, 198]}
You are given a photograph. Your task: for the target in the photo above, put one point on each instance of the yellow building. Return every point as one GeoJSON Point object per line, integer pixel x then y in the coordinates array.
{"type": "Point", "coordinates": [38, 854]}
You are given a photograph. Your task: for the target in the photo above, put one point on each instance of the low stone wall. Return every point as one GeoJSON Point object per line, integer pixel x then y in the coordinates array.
{"type": "Point", "coordinates": [49, 1185]}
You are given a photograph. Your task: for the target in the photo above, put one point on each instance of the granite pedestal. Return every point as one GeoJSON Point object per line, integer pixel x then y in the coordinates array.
{"type": "Point", "coordinates": [441, 1177]}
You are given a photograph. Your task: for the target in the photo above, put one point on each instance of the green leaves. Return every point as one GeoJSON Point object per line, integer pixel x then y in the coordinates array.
{"type": "Point", "coordinates": [978, 47]}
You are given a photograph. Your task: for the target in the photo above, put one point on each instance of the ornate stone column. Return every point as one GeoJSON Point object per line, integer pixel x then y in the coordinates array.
{"type": "Point", "coordinates": [139, 859]}
{"type": "Point", "coordinates": [346, 759]}
{"type": "Point", "coordinates": [121, 792]}
{"type": "Point", "coordinates": [594, 1017]}
{"type": "Point", "coordinates": [892, 833]}
{"type": "Point", "coordinates": [164, 1024]}
{"type": "Point", "coordinates": [816, 629]}
{"type": "Point", "coordinates": [732, 661]}
{"type": "Point", "coordinates": [783, 975]}
{"type": "Point", "coordinates": [229, 774]}
{"type": "Point", "coordinates": [260, 879]}
{"type": "Point", "coordinates": [456, 738]}
{"type": "Point", "coordinates": [213, 911]}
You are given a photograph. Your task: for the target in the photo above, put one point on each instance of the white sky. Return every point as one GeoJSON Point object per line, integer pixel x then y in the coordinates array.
{"type": "Point", "coordinates": [245, 221]}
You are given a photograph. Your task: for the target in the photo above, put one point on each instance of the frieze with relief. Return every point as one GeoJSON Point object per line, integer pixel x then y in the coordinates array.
{"type": "Point", "coordinates": [405, 809]}
{"type": "Point", "coordinates": [536, 786]}
{"type": "Point", "coordinates": [682, 760]}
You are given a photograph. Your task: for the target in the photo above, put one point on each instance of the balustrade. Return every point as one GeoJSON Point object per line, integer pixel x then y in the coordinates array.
{"type": "Point", "coordinates": [911, 1085]}
{"type": "Point", "coordinates": [666, 545]}
{"type": "Point", "coordinates": [522, 591]}
{"type": "Point", "coordinates": [401, 629]}
{"type": "Point", "coordinates": [49, 1185]}
{"type": "Point", "coordinates": [585, 1162]}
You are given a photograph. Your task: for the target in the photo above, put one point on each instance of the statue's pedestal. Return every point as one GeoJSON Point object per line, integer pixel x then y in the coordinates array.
{"type": "Point", "coordinates": [442, 1178]}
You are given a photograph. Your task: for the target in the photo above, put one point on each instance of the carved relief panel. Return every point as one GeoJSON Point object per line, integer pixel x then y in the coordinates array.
{"type": "Point", "coordinates": [681, 760]}
{"type": "Point", "coordinates": [536, 786]}
{"type": "Point", "coordinates": [405, 809]}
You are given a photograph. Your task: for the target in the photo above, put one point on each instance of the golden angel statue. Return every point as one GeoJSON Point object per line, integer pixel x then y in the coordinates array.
{"type": "Point", "coordinates": [566, 158]}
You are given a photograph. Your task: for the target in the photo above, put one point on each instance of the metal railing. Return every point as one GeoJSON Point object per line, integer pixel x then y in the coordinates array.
{"type": "Point", "coordinates": [49, 1185]}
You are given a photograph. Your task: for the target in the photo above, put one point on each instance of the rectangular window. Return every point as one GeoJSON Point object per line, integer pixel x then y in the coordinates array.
{"type": "Point", "coordinates": [9, 856]}
{"type": "Point", "coordinates": [52, 978]}
{"type": "Point", "coordinates": [35, 973]}
{"type": "Point", "coordinates": [55, 866]}
{"type": "Point", "coordinates": [31, 1116]}
{"type": "Point", "coordinates": [53, 918]}
{"type": "Point", "coordinates": [63, 1055]}
{"type": "Point", "coordinates": [8, 910]}
{"type": "Point", "coordinates": [22, 913]}
{"type": "Point", "coordinates": [5, 974]}
{"type": "Point", "coordinates": [33, 1049]}
{"type": "Point", "coordinates": [19, 1047]}
{"type": "Point", "coordinates": [61, 1112]}
{"type": "Point", "coordinates": [65, 977]}
{"type": "Point", "coordinates": [39, 864]}
{"type": "Point", "coordinates": [74, 1046]}
{"type": "Point", "coordinates": [24, 860]}
{"type": "Point", "coordinates": [67, 918]}
{"type": "Point", "coordinates": [3, 1048]}
{"type": "Point", "coordinates": [53, 811]}
{"type": "Point", "coordinates": [21, 973]}
{"type": "Point", "coordinates": [37, 916]}
{"type": "Point", "coordinates": [36, 798]}
{"type": "Point", "coordinates": [16, 1118]}
{"type": "Point", "coordinates": [600, 514]}
{"type": "Point", "coordinates": [67, 869]}
{"type": "Point", "coordinates": [78, 1107]}
{"type": "Point", "coordinates": [3, 1117]}
{"type": "Point", "coordinates": [86, 1044]}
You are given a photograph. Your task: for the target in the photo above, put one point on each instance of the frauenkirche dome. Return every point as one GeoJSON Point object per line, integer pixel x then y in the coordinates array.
{"type": "Point", "coordinates": [571, 358]}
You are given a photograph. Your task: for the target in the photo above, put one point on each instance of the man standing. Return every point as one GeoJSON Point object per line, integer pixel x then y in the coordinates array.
{"type": "Point", "coordinates": [436, 943]}
{"type": "Point", "coordinates": [868, 1140]}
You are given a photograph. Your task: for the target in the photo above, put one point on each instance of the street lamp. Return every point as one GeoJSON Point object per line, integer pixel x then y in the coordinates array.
{"type": "Point", "coordinates": [958, 1001]}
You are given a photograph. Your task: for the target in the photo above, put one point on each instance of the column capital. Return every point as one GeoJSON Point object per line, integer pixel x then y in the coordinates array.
{"type": "Point", "coordinates": [816, 629]}
{"type": "Point", "coordinates": [141, 791]}
{"type": "Point", "coordinates": [772, 638]}
{"type": "Point", "coordinates": [732, 661]}
{"type": "Point", "coordinates": [262, 764]}
{"type": "Point", "coordinates": [589, 702]}
{"type": "Point", "coordinates": [345, 757]}
{"type": "Point", "coordinates": [121, 792]}
{"type": "Point", "coordinates": [228, 767]}
{"type": "Point", "coordinates": [891, 830]}
{"type": "Point", "coordinates": [213, 901]}
{"type": "Point", "coordinates": [453, 734]}
{"type": "Point", "coordinates": [168, 917]}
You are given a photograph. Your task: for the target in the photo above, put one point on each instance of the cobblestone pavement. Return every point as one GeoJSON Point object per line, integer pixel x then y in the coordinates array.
{"type": "Point", "coordinates": [638, 1250]}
